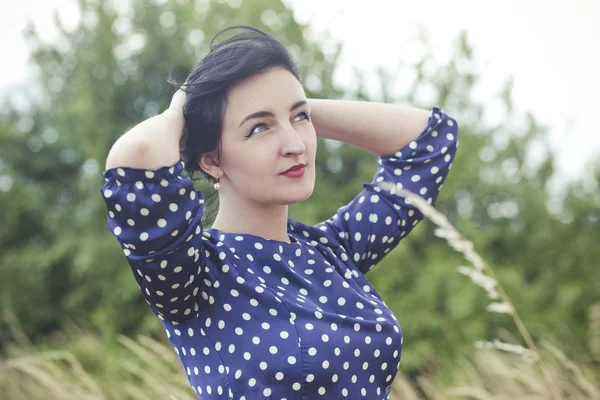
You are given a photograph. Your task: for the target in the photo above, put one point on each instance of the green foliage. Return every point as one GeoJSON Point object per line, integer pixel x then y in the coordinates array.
{"type": "Point", "coordinates": [59, 263]}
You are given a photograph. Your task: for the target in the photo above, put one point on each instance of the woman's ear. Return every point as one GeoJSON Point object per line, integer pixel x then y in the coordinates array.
{"type": "Point", "coordinates": [208, 163]}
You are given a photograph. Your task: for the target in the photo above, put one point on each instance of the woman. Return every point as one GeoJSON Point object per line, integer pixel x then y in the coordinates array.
{"type": "Point", "coordinates": [261, 306]}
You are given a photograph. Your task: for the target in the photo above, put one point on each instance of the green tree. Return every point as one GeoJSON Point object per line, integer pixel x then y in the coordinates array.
{"type": "Point", "coordinates": [59, 263]}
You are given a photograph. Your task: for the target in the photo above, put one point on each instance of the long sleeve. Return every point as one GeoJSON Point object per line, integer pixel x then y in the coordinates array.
{"type": "Point", "coordinates": [156, 217]}
{"type": "Point", "coordinates": [375, 221]}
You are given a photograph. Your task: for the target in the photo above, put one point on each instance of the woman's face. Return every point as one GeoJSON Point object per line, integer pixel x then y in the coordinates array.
{"type": "Point", "coordinates": [266, 131]}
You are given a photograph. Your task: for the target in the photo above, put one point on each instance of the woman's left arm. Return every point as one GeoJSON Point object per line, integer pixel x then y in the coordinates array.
{"type": "Point", "coordinates": [376, 127]}
{"type": "Point", "coordinates": [416, 149]}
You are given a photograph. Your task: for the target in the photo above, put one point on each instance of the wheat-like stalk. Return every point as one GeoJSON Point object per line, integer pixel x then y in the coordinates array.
{"type": "Point", "coordinates": [481, 274]}
{"type": "Point", "coordinates": [594, 329]}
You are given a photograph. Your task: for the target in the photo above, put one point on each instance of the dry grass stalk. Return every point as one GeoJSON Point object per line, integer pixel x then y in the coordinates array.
{"type": "Point", "coordinates": [53, 374]}
{"type": "Point", "coordinates": [480, 273]}
{"type": "Point", "coordinates": [148, 370]}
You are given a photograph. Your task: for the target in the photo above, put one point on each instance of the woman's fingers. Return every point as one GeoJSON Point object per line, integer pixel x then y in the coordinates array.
{"type": "Point", "coordinates": [178, 100]}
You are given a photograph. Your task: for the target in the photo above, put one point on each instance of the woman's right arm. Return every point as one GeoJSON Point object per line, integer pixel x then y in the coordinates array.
{"type": "Point", "coordinates": [155, 214]}
{"type": "Point", "coordinates": [153, 143]}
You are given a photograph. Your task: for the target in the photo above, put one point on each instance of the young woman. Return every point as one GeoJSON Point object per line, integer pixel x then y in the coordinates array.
{"type": "Point", "coordinates": [259, 305]}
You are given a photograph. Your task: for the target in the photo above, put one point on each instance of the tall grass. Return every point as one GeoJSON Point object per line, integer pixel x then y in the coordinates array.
{"type": "Point", "coordinates": [148, 369]}
{"type": "Point", "coordinates": [482, 275]}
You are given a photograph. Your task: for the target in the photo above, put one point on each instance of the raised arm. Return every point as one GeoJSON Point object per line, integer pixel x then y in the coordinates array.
{"type": "Point", "coordinates": [155, 214]}
{"type": "Point", "coordinates": [376, 127]}
{"type": "Point", "coordinates": [153, 143]}
{"type": "Point", "coordinates": [416, 149]}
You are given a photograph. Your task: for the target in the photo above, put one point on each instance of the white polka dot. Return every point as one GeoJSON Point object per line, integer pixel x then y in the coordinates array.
{"type": "Point", "coordinates": [162, 222]}
{"type": "Point", "coordinates": [156, 198]}
{"type": "Point", "coordinates": [144, 236]}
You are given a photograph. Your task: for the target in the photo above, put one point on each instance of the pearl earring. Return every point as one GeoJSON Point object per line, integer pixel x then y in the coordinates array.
{"type": "Point", "coordinates": [216, 185]}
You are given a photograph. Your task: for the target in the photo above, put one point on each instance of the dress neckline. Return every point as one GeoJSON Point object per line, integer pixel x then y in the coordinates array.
{"type": "Point", "coordinates": [235, 235]}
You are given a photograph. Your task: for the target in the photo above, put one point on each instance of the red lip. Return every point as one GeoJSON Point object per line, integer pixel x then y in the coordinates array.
{"type": "Point", "coordinates": [294, 168]}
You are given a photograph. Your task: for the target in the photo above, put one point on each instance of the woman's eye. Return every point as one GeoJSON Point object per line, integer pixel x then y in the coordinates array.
{"type": "Point", "coordinates": [256, 129]}
{"type": "Point", "coordinates": [304, 116]}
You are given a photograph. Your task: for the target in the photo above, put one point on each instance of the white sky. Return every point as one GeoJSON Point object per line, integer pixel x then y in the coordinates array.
{"type": "Point", "coordinates": [551, 48]}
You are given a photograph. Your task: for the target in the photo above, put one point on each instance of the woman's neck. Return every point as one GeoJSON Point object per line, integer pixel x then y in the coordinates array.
{"type": "Point", "coordinates": [268, 221]}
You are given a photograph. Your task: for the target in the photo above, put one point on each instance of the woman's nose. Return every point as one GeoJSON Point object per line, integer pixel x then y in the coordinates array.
{"type": "Point", "coordinates": [292, 142]}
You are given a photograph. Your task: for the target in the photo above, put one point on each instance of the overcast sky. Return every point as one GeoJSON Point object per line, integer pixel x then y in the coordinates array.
{"type": "Point", "coordinates": [550, 47]}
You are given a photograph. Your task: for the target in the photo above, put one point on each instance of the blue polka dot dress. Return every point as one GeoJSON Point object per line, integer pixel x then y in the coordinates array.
{"type": "Point", "coordinates": [252, 318]}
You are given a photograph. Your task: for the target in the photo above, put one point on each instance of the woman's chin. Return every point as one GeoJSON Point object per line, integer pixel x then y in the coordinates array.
{"type": "Point", "coordinates": [293, 196]}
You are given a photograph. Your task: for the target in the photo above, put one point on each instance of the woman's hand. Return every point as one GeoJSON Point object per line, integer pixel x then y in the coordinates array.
{"type": "Point", "coordinates": [178, 100]}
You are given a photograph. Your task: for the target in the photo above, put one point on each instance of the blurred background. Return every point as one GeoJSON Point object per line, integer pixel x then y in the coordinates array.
{"type": "Point", "coordinates": [520, 77]}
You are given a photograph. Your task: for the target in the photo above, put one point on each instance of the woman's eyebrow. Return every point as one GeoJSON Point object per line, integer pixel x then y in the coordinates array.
{"type": "Point", "coordinates": [262, 114]}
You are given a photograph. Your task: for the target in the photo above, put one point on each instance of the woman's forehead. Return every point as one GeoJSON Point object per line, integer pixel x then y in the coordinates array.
{"type": "Point", "coordinates": [272, 89]}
